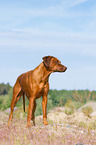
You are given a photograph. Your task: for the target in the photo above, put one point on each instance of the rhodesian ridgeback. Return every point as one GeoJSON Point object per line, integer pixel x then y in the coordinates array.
{"type": "Point", "coordinates": [34, 84]}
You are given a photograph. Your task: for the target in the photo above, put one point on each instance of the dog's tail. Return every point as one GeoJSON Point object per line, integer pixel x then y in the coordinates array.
{"type": "Point", "coordinates": [24, 102]}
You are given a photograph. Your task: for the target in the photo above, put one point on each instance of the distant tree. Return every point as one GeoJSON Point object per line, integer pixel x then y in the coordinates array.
{"type": "Point", "coordinates": [4, 88]}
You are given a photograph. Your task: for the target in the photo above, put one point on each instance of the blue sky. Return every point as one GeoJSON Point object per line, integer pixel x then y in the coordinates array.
{"type": "Point", "coordinates": [65, 29]}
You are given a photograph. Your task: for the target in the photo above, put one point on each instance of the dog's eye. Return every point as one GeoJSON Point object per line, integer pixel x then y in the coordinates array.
{"type": "Point", "coordinates": [57, 61]}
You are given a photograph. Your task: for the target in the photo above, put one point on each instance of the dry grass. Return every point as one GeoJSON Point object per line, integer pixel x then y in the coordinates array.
{"type": "Point", "coordinates": [87, 110]}
{"type": "Point", "coordinates": [63, 130]}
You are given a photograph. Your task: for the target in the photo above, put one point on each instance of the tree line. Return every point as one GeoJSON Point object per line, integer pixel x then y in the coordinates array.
{"type": "Point", "coordinates": [56, 98]}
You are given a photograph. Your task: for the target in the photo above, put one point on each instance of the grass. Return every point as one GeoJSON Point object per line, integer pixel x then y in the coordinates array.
{"type": "Point", "coordinates": [64, 132]}
{"type": "Point", "coordinates": [87, 111]}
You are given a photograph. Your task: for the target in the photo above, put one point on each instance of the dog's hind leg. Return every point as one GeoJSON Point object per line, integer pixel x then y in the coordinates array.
{"type": "Point", "coordinates": [17, 93]}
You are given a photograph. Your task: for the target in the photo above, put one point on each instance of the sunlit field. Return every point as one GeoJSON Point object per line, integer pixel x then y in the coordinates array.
{"type": "Point", "coordinates": [63, 129]}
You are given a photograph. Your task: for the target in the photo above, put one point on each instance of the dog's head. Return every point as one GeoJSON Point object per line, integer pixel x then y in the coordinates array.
{"type": "Point", "coordinates": [53, 64]}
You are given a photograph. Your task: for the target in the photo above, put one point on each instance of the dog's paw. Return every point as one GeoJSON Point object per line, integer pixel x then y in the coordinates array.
{"type": "Point", "coordinates": [29, 125]}
{"type": "Point", "coordinates": [33, 122]}
{"type": "Point", "coordinates": [45, 122]}
{"type": "Point", "coordinates": [9, 122]}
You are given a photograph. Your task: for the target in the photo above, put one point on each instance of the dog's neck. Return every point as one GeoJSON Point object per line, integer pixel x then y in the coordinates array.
{"type": "Point", "coordinates": [42, 73]}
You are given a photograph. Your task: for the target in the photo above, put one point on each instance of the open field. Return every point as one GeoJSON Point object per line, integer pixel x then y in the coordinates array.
{"type": "Point", "coordinates": [63, 129]}
{"type": "Point", "coordinates": [71, 118]}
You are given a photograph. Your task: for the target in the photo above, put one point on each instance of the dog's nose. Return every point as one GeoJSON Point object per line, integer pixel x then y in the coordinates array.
{"type": "Point", "coordinates": [65, 68]}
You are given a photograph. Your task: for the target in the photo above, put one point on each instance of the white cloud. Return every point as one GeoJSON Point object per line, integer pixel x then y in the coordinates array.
{"type": "Point", "coordinates": [76, 2]}
{"type": "Point", "coordinates": [30, 39]}
{"type": "Point", "coordinates": [71, 3]}
{"type": "Point", "coordinates": [18, 14]}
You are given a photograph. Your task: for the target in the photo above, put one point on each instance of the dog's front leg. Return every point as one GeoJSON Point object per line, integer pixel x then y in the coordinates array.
{"type": "Point", "coordinates": [44, 107]}
{"type": "Point", "coordinates": [30, 110]}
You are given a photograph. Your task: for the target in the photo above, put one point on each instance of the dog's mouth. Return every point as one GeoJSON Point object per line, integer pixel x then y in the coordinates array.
{"type": "Point", "coordinates": [62, 69]}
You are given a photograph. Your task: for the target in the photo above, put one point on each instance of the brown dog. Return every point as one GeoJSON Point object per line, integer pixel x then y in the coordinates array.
{"type": "Point", "coordinates": [35, 84]}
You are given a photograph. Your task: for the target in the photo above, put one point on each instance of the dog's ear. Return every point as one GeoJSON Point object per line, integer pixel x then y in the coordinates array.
{"type": "Point", "coordinates": [46, 60]}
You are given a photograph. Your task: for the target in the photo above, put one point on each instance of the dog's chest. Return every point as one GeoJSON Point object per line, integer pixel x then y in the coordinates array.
{"type": "Point", "coordinates": [41, 85]}
{"type": "Point", "coordinates": [40, 90]}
